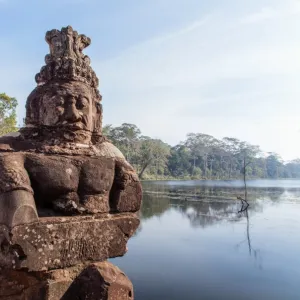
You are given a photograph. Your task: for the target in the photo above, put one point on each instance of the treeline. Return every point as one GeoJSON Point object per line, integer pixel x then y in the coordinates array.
{"type": "Point", "coordinates": [199, 156]}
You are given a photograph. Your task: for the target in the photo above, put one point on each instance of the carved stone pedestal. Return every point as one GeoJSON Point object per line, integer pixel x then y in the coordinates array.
{"type": "Point", "coordinates": [58, 258]}
{"type": "Point", "coordinates": [59, 242]}
{"type": "Point", "coordinates": [97, 281]}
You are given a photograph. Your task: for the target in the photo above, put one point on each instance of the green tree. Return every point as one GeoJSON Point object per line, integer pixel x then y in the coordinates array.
{"type": "Point", "coordinates": [106, 130]}
{"type": "Point", "coordinates": [292, 169]}
{"type": "Point", "coordinates": [126, 138]}
{"type": "Point", "coordinates": [8, 116]}
{"type": "Point", "coordinates": [274, 165]}
{"type": "Point", "coordinates": [202, 147]}
{"type": "Point", "coordinates": [232, 147]}
{"type": "Point", "coordinates": [179, 162]}
{"type": "Point", "coordinates": [152, 152]}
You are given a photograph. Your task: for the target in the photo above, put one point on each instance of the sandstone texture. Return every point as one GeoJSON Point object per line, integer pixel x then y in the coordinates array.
{"type": "Point", "coordinates": [58, 242]}
{"type": "Point", "coordinates": [97, 281]}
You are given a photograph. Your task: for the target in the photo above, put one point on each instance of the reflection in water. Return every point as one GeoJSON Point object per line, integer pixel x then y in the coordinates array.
{"type": "Point", "coordinates": [194, 243]}
{"type": "Point", "coordinates": [255, 253]}
{"type": "Point", "coordinates": [208, 205]}
{"type": "Point", "coordinates": [154, 205]}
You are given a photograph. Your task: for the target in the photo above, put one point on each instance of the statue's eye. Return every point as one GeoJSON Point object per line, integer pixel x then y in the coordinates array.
{"type": "Point", "coordinates": [82, 103]}
{"type": "Point", "coordinates": [60, 101]}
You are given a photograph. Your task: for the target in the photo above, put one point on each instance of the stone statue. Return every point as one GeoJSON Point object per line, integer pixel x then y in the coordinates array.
{"type": "Point", "coordinates": [67, 195]}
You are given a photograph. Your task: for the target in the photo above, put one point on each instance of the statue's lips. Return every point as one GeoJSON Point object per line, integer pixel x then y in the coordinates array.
{"type": "Point", "coordinates": [74, 126]}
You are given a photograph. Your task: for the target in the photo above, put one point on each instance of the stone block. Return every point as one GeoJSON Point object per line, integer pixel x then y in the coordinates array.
{"type": "Point", "coordinates": [97, 281]}
{"type": "Point", "coordinates": [60, 242]}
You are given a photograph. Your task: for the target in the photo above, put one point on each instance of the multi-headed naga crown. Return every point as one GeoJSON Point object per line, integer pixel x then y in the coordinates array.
{"type": "Point", "coordinates": [66, 60]}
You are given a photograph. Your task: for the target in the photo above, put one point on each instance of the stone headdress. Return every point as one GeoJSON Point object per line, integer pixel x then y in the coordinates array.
{"type": "Point", "coordinates": [66, 60]}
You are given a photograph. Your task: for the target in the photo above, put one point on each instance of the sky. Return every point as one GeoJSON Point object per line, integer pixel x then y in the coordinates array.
{"type": "Point", "coordinates": [228, 68]}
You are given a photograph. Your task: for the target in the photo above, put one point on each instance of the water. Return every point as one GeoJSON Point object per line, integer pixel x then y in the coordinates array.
{"type": "Point", "coordinates": [193, 243]}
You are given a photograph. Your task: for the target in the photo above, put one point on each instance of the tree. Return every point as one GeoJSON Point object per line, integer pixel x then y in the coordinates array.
{"type": "Point", "coordinates": [292, 169]}
{"type": "Point", "coordinates": [8, 116]}
{"type": "Point", "coordinates": [124, 137]}
{"type": "Point", "coordinates": [232, 149]}
{"type": "Point", "coordinates": [106, 130]}
{"type": "Point", "coordinates": [274, 165]}
{"type": "Point", "coordinates": [152, 152]}
{"type": "Point", "coordinates": [201, 146]}
{"type": "Point", "coordinates": [179, 164]}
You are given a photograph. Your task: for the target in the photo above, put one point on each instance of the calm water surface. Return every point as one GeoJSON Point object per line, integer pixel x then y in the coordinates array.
{"type": "Point", "coordinates": [193, 243]}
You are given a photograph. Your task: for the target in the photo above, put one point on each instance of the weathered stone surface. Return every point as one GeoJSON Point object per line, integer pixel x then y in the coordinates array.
{"type": "Point", "coordinates": [61, 164]}
{"type": "Point", "coordinates": [60, 242]}
{"type": "Point", "coordinates": [97, 281]}
{"type": "Point", "coordinates": [100, 281]}
{"type": "Point", "coordinates": [66, 60]}
{"type": "Point", "coordinates": [65, 185]}
{"type": "Point", "coordinates": [73, 113]}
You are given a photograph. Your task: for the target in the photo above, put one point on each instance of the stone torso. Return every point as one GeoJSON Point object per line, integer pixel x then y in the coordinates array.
{"type": "Point", "coordinates": [72, 181]}
{"type": "Point", "coordinates": [63, 181]}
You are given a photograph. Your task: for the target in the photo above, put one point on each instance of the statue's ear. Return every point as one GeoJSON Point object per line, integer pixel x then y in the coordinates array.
{"type": "Point", "coordinates": [97, 118]}
{"type": "Point", "coordinates": [99, 108]}
{"type": "Point", "coordinates": [32, 107]}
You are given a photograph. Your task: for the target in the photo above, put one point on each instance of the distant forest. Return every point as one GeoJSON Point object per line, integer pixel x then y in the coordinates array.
{"type": "Point", "coordinates": [199, 156]}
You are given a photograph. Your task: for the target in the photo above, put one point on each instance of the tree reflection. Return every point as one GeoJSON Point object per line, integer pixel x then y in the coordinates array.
{"type": "Point", "coordinates": [205, 213]}
{"type": "Point", "coordinates": [205, 206]}
{"type": "Point", "coordinates": [202, 205]}
{"type": "Point", "coordinates": [153, 205]}
{"type": "Point", "coordinates": [255, 253]}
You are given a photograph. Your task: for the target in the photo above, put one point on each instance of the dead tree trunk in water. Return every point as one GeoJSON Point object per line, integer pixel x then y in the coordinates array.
{"type": "Point", "coordinates": [205, 165]}
{"type": "Point", "coordinates": [248, 233]}
{"type": "Point", "coordinates": [245, 186]}
{"type": "Point", "coordinates": [245, 183]}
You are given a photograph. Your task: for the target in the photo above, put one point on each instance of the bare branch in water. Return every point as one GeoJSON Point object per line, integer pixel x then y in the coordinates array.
{"type": "Point", "coordinates": [245, 204]}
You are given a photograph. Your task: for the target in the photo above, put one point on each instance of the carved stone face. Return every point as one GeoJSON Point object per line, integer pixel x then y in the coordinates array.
{"type": "Point", "coordinates": [56, 46]}
{"type": "Point", "coordinates": [68, 105]}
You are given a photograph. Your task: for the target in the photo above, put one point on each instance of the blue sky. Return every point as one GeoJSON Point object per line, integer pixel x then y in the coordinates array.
{"type": "Point", "coordinates": [225, 68]}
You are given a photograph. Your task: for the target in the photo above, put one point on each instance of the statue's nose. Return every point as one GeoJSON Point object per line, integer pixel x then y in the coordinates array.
{"type": "Point", "coordinates": [72, 113]}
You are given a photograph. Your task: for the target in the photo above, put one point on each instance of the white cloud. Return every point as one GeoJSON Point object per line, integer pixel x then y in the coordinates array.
{"type": "Point", "coordinates": [269, 13]}
{"type": "Point", "coordinates": [265, 14]}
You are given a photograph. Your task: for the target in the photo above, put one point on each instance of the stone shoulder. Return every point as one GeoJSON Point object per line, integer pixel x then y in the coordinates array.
{"type": "Point", "coordinates": [109, 150]}
{"type": "Point", "coordinates": [13, 143]}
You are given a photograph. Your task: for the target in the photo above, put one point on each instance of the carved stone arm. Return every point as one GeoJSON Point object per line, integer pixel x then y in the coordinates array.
{"type": "Point", "coordinates": [126, 191]}
{"type": "Point", "coordinates": [17, 205]}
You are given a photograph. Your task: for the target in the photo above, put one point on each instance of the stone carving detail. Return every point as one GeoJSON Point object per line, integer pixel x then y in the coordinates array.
{"type": "Point", "coordinates": [66, 60]}
{"type": "Point", "coordinates": [68, 196]}
{"type": "Point", "coordinates": [66, 103]}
